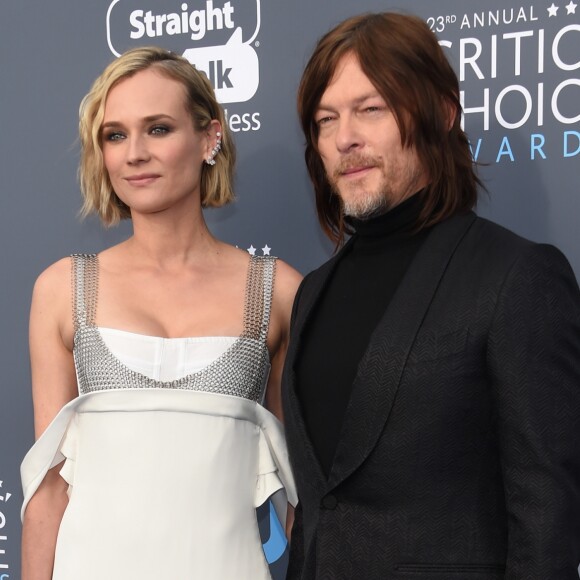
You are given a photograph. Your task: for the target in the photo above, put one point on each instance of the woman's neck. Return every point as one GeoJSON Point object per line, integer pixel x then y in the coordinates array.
{"type": "Point", "coordinates": [171, 239]}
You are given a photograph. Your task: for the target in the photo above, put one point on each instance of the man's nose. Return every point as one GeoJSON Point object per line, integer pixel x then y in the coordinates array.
{"type": "Point", "coordinates": [348, 135]}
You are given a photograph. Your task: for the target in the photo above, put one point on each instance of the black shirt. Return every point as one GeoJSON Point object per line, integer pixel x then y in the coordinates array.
{"type": "Point", "coordinates": [354, 300]}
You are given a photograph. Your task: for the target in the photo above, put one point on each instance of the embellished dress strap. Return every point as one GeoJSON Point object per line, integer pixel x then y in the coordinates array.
{"type": "Point", "coordinates": [258, 300]}
{"type": "Point", "coordinates": [85, 281]}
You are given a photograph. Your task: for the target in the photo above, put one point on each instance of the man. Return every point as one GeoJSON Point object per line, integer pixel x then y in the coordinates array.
{"type": "Point", "coordinates": [432, 385]}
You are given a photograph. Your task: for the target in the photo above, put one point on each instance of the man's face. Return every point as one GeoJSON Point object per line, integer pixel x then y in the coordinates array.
{"type": "Point", "coordinates": [360, 145]}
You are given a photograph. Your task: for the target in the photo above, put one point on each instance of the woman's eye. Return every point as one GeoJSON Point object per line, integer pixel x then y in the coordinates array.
{"type": "Point", "coordinates": [114, 136]}
{"type": "Point", "coordinates": [159, 130]}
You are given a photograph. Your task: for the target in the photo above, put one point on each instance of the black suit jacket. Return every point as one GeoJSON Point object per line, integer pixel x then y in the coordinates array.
{"type": "Point", "coordinates": [459, 455]}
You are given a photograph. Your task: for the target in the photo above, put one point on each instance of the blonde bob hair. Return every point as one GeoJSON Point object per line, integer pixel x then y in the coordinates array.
{"type": "Point", "coordinates": [98, 194]}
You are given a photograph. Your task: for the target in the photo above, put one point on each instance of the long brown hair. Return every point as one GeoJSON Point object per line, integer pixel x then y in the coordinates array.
{"type": "Point", "coordinates": [403, 60]}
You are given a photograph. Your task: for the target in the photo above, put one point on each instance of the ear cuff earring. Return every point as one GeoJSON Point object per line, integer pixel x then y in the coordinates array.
{"type": "Point", "coordinates": [210, 160]}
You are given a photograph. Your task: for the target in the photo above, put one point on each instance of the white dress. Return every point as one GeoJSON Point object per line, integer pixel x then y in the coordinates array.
{"type": "Point", "coordinates": [167, 448]}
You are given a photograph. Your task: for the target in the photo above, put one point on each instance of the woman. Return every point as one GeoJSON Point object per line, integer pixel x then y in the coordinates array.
{"type": "Point", "coordinates": [149, 370]}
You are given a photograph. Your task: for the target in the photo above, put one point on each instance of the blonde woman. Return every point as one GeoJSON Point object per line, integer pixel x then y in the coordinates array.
{"type": "Point", "coordinates": [149, 370]}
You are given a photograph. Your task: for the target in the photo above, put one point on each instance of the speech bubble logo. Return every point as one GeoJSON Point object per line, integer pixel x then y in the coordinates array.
{"type": "Point", "coordinates": [233, 69]}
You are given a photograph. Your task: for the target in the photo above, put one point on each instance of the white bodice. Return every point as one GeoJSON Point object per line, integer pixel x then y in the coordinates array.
{"type": "Point", "coordinates": [164, 359]}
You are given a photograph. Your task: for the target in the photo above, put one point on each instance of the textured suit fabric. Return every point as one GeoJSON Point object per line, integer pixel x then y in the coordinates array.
{"type": "Point", "coordinates": [332, 345]}
{"type": "Point", "coordinates": [458, 455]}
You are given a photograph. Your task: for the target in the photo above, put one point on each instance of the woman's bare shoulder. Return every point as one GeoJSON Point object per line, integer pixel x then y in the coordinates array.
{"type": "Point", "coordinates": [54, 279]}
{"type": "Point", "coordinates": [52, 300]}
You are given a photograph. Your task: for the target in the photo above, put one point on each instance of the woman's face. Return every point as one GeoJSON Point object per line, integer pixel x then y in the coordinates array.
{"type": "Point", "coordinates": [151, 151]}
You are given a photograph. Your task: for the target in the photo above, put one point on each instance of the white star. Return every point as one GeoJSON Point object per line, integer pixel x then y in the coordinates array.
{"type": "Point", "coordinates": [571, 8]}
{"type": "Point", "coordinates": [552, 10]}
{"type": "Point", "coordinates": [266, 250]}
{"type": "Point", "coordinates": [252, 250]}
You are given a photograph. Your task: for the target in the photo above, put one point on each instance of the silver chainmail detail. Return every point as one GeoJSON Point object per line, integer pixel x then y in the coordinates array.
{"type": "Point", "coordinates": [240, 371]}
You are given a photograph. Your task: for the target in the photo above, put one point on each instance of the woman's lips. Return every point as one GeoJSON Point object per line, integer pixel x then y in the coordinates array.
{"type": "Point", "coordinates": [142, 179]}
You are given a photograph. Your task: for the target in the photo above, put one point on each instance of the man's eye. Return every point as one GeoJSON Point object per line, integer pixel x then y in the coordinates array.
{"type": "Point", "coordinates": [323, 121]}
{"type": "Point", "coordinates": [373, 109]}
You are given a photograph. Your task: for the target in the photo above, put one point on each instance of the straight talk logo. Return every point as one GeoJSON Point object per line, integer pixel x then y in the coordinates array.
{"type": "Point", "coordinates": [232, 67]}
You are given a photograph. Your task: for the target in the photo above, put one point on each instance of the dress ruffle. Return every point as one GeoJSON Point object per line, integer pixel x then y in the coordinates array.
{"type": "Point", "coordinates": [60, 440]}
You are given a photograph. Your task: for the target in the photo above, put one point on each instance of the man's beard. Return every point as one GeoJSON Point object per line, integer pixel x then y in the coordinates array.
{"type": "Point", "coordinates": [363, 202]}
{"type": "Point", "coordinates": [366, 205]}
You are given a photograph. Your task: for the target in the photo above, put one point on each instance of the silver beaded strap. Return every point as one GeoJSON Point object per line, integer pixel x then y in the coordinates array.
{"type": "Point", "coordinates": [85, 284]}
{"type": "Point", "coordinates": [257, 302]}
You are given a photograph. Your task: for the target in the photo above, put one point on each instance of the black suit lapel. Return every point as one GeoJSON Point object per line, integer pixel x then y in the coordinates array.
{"type": "Point", "coordinates": [303, 454]}
{"type": "Point", "coordinates": [382, 365]}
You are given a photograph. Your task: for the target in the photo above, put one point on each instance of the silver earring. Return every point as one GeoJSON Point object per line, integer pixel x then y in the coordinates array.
{"type": "Point", "coordinates": [210, 160]}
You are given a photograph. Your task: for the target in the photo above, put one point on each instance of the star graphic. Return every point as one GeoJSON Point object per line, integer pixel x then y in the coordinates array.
{"type": "Point", "coordinates": [252, 250]}
{"type": "Point", "coordinates": [571, 8]}
{"type": "Point", "coordinates": [266, 250]}
{"type": "Point", "coordinates": [552, 10]}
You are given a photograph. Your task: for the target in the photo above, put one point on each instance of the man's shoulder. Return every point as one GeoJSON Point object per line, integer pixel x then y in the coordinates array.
{"type": "Point", "coordinates": [314, 281]}
{"type": "Point", "coordinates": [474, 235]}
{"type": "Point", "coordinates": [488, 246]}
{"type": "Point", "coordinates": [484, 237]}
{"type": "Point", "coordinates": [473, 243]}
{"type": "Point", "coordinates": [326, 267]}
{"type": "Point", "coordinates": [495, 232]}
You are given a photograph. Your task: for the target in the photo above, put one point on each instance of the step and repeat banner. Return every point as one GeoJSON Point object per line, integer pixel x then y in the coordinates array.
{"type": "Point", "coordinates": [519, 67]}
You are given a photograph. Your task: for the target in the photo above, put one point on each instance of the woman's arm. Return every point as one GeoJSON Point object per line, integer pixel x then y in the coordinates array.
{"type": "Point", "coordinates": [286, 284]}
{"type": "Point", "coordinates": [53, 385]}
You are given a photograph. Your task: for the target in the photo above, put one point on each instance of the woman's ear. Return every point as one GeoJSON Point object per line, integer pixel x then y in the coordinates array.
{"type": "Point", "coordinates": [213, 129]}
{"type": "Point", "coordinates": [214, 141]}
